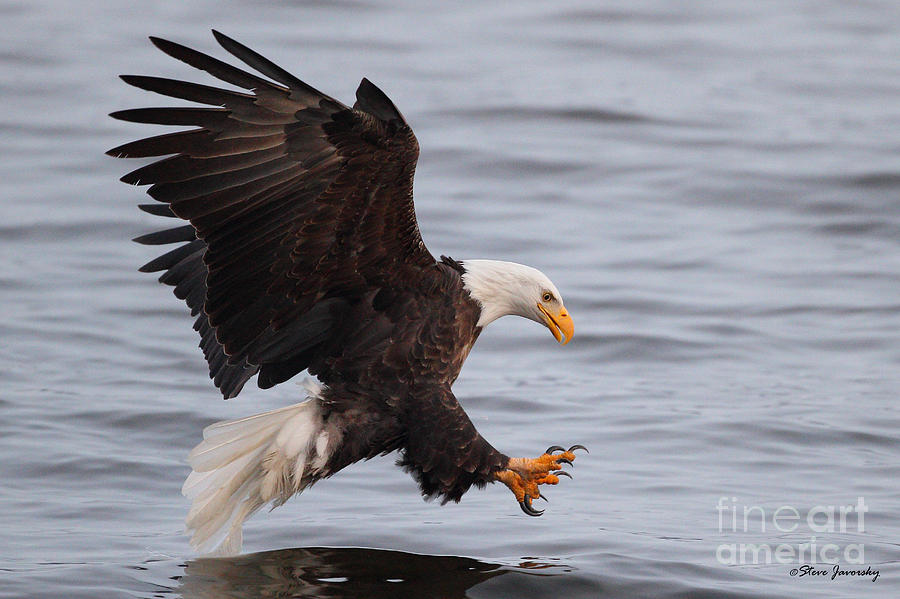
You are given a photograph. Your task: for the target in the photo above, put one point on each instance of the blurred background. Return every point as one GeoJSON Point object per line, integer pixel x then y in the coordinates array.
{"type": "Point", "coordinates": [713, 186]}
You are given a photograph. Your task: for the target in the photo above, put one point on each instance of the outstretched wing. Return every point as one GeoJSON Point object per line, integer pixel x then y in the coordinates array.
{"type": "Point", "coordinates": [296, 203]}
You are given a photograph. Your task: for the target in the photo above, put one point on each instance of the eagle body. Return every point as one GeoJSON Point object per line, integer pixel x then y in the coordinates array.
{"type": "Point", "coordinates": [301, 251]}
{"type": "Point", "coordinates": [409, 346]}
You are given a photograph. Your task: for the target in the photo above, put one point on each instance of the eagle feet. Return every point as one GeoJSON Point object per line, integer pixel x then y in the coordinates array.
{"type": "Point", "coordinates": [524, 475]}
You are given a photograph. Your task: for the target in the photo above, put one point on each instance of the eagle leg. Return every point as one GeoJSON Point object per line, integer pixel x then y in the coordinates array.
{"type": "Point", "coordinates": [524, 475]}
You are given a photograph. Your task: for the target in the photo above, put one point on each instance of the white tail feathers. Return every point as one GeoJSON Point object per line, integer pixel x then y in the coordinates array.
{"type": "Point", "coordinates": [244, 464]}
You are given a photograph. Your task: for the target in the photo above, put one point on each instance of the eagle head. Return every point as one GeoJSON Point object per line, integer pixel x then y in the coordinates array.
{"type": "Point", "coordinates": [503, 288]}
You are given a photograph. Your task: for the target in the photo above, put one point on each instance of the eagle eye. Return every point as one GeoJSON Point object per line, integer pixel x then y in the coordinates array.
{"type": "Point", "coordinates": [547, 296]}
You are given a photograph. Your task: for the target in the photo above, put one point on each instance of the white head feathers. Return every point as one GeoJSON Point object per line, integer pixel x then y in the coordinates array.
{"type": "Point", "coordinates": [504, 288]}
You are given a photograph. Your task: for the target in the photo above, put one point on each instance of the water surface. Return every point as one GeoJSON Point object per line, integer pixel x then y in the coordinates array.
{"type": "Point", "coordinates": [712, 185]}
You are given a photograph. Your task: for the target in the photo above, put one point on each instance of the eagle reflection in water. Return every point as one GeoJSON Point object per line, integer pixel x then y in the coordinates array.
{"type": "Point", "coordinates": [345, 572]}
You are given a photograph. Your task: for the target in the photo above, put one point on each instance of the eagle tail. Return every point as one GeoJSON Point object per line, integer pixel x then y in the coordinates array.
{"type": "Point", "coordinates": [241, 465]}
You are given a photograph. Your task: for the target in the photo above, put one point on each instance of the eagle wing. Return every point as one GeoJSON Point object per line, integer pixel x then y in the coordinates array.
{"type": "Point", "coordinates": [296, 203]}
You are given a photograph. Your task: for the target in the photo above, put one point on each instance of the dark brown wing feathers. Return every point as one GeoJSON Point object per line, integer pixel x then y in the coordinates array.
{"type": "Point", "coordinates": [292, 198]}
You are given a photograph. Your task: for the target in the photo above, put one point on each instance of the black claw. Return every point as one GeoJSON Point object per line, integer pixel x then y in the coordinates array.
{"type": "Point", "coordinates": [578, 446]}
{"type": "Point", "coordinates": [561, 473]}
{"type": "Point", "coordinates": [526, 507]}
{"type": "Point", "coordinates": [544, 497]}
{"type": "Point", "coordinates": [565, 461]}
{"type": "Point", "coordinates": [553, 448]}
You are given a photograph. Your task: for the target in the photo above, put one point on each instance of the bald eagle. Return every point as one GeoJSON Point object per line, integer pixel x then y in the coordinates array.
{"type": "Point", "coordinates": [302, 252]}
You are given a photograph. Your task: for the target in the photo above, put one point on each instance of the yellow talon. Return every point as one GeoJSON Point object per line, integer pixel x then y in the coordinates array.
{"type": "Point", "coordinates": [524, 475]}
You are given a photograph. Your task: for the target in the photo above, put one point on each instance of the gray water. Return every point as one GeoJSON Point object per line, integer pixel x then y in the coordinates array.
{"type": "Point", "coordinates": [712, 185]}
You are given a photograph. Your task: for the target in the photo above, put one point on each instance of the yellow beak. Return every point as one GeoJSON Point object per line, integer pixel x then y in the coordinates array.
{"type": "Point", "coordinates": [560, 324]}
